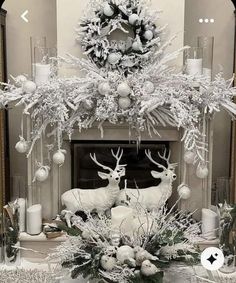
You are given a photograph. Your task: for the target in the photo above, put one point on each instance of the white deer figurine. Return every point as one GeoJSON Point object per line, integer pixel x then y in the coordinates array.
{"type": "Point", "coordinates": [100, 199]}
{"type": "Point", "coordinates": [152, 197]}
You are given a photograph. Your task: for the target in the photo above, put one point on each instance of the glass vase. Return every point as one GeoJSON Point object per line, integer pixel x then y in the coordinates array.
{"type": "Point", "coordinates": [36, 41]}
{"type": "Point", "coordinates": [207, 45]}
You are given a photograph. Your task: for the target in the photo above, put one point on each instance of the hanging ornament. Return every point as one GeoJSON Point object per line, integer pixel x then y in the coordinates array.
{"type": "Point", "coordinates": [59, 157]}
{"type": "Point", "coordinates": [108, 263]}
{"type": "Point", "coordinates": [88, 105]}
{"type": "Point", "coordinates": [189, 157]}
{"type": "Point", "coordinates": [137, 46]}
{"type": "Point", "coordinates": [202, 171]}
{"type": "Point", "coordinates": [29, 87]}
{"type": "Point", "coordinates": [22, 145]}
{"type": "Point", "coordinates": [108, 10]}
{"type": "Point", "coordinates": [149, 87]}
{"type": "Point", "coordinates": [124, 253]}
{"type": "Point", "coordinates": [123, 89]}
{"type": "Point", "coordinates": [42, 174]}
{"type": "Point", "coordinates": [148, 35]}
{"type": "Point", "coordinates": [133, 19]}
{"type": "Point", "coordinates": [124, 102]}
{"type": "Point", "coordinates": [104, 88]}
{"type": "Point", "coordinates": [20, 80]}
{"type": "Point", "coordinates": [184, 191]}
{"type": "Point", "coordinates": [114, 58]}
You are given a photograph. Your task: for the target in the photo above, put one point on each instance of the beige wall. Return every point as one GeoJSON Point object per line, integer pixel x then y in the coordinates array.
{"type": "Point", "coordinates": [42, 22]}
{"type": "Point", "coordinates": [70, 11]}
{"type": "Point", "coordinates": [223, 31]}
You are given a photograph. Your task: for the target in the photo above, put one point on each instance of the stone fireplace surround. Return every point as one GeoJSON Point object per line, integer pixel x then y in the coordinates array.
{"type": "Point", "coordinates": [48, 193]}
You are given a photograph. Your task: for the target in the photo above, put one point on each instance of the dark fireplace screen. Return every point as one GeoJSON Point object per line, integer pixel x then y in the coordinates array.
{"type": "Point", "coordinates": [138, 168]}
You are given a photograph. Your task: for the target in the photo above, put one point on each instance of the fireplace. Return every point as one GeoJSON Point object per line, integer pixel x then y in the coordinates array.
{"type": "Point", "coordinates": [84, 170]}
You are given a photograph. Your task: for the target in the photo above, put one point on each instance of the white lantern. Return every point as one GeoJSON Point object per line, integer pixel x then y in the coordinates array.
{"type": "Point", "coordinates": [19, 80]}
{"type": "Point", "coordinates": [58, 157]}
{"type": "Point", "coordinates": [114, 58]}
{"type": "Point", "coordinates": [104, 88]}
{"type": "Point", "coordinates": [124, 102]}
{"type": "Point", "coordinates": [148, 35]}
{"type": "Point", "coordinates": [108, 263]}
{"type": "Point", "coordinates": [107, 10]}
{"type": "Point", "coordinates": [137, 46]}
{"type": "Point", "coordinates": [189, 157]}
{"type": "Point", "coordinates": [123, 89]}
{"type": "Point", "coordinates": [29, 87]}
{"type": "Point", "coordinates": [149, 87]}
{"type": "Point", "coordinates": [42, 174]}
{"type": "Point", "coordinates": [21, 146]}
{"type": "Point", "coordinates": [124, 253]}
{"type": "Point", "coordinates": [184, 192]}
{"type": "Point", "coordinates": [133, 19]}
{"type": "Point", "coordinates": [202, 172]}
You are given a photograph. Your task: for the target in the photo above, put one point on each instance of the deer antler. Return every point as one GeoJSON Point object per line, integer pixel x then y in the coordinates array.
{"type": "Point", "coordinates": [167, 159]}
{"type": "Point", "coordinates": [118, 156]}
{"type": "Point", "coordinates": [149, 156]}
{"type": "Point", "coordinates": [94, 158]}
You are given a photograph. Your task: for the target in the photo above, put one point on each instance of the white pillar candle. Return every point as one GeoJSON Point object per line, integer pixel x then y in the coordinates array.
{"type": "Point", "coordinates": [34, 219]}
{"type": "Point", "coordinates": [210, 224]}
{"type": "Point", "coordinates": [194, 67]}
{"type": "Point", "coordinates": [121, 219]}
{"type": "Point", "coordinates": [42, 73]}
{"type": "Point", "coordinates": [22, 204]}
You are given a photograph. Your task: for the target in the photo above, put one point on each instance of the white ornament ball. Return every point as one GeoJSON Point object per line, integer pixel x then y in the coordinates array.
{"type": "Point", "coordinates": [133, 19]}
{"type": "Point", "coordinates": [124, 253]}
{"type": "Point", "coordinates": [137, 46]}
{"type": "Point", "coordinates": [189, 157]}
{"type": "Point", "coordinates": [148, 35]}
{"type": "Point", "coordinates": [58, 157]}
{"type": "Point", "coordinates": [148, 268]}
{"type": "Point", "coordinates": [41, 174]}
{"type": "Point", "coordinates": [108, 10]}
{"type": "Point", "coordinates": [104, 88]}
{"type": "Point", "coordinates": [114, 58]}
{"type": "Point", "coordinates": [184, 192]}
{"type": "Point", "coordinates": [149, 87]}
{"type": "Point", "coordinates": [124, 102]}
{"type": "Point", "coordinates": [29, 87]}
{"type": "Point", "coordinates": [21, 146]}
{"type": "Point", "coordinates": [123, 89]}
{"type": "Point", "coordinates": [108, 263]}
{"type": "Point", "coordinates": [202, 172]}
{"type": "Point", "coordinates": [20, 80]}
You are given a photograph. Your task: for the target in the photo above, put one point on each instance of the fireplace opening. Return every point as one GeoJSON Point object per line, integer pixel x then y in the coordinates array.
{"type": "Point", "coordinates": [84, 170]}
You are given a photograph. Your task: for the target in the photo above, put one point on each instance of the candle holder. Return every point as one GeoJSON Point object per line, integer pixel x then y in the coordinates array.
{"type": "Point", "coordinates": [193, 61]}
{"type": "Point", "coordinates": [36, 41]}
{"type": "Point", "coordinates": [207, 45]}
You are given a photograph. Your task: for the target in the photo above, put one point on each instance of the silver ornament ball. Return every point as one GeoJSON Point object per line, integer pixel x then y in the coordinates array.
{"type": "Point", "coordinates": [133, 19]}
{"type": "Point", "coordinates": [41, 174]}
{"type": "Point", "coordinates": [149, 87]}
{"type": "Point", "coordinates": [189, 157]}
{"type": "Point", "coordinates": [21, 146]}
{"type": "Point", "coordinates": [114, 58]}
{"type": "Point", "coordinates": [29, 87]}
{"type": "Point", "coordinates": [108, 10]}
{"type": "Point", "coordinates": [104, 88]}
{"type": "Point", "coordinates": [148, 35]}
{"type": "Point", "coordinates": [137, 46]}
{"type": "Point", "coordinates": [184, 192]}
{"type": "Point", "coordinates": [124, 102]}
{"type": "Point", "coordinates": [202, 172]}
{"type": "Point", "coordinates": [123, 89]}
{"type": "Point", "coordinates": [58, 157]}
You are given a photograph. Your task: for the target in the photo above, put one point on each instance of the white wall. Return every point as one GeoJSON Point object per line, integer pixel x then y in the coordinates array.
{"type": "Point", "coordinates": [70, 11]}
{"type": "Point", "coordinates": [42, 22]}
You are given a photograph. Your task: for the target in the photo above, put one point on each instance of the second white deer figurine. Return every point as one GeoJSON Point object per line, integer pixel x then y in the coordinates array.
{"type": "Point", "coordinates": [100, 199]}
{"type": "Point", "coordinates": [152, 197]}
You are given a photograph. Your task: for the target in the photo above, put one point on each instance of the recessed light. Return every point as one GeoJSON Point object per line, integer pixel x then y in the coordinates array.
{"type": "Point", "coordinates": [212, 21]}
{"type": "Point", "coordinates": [206, 21]}
{"type": "Point", "coordinates": [200, 21]}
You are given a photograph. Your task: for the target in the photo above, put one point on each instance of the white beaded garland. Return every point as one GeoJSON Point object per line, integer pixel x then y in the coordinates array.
{"type": "Point", "coordinates": [107, 10]}
{"type": "Point", "coordinates": [41, 174]}
{"type": "Point", "coordinates": [124, 102]}
{"type": "Point", "coordinates": [21, 146]}
{"type": "Point", "coordinates": [108, 263]}
{"type": "Point", "coordinates": [123, 89]}
{"type": "Point", "coordinates": [104, 88]}
{"type": "Point", "coordinates": [189, 157]}
{"type": "Point", "coordinates": [58, 157]}
{"type": "Point", "coordinates": [184, 192]}
{"type": "Point", "coordinates": [133, 19]}
{"type": "Point", "coordinates": [114, 58]}
{"type": "Point", "coordinates": [149, 87]}
{"type": "Point", "coordinates": [148, 35]}
{"type": "Point", "coordinates": [202, 172]}
{"type": "Point", "coordinates": [124, 253]}
{"type": "Point", "coordinates": [29, 87]}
